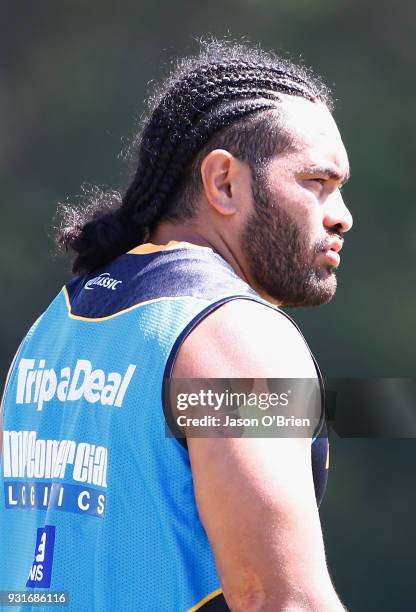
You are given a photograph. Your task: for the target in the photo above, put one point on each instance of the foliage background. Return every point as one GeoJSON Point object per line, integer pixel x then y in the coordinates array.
{"type": "Point", "coordinates": [73, 77]}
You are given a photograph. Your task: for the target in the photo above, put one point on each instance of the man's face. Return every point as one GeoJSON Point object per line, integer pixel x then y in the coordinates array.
{"type": "Point", "coordinates": [295, 230]}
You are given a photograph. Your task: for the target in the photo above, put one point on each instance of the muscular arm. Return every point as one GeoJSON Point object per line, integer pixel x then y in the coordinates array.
{"type": "Point", "coordinates": [256, 496]}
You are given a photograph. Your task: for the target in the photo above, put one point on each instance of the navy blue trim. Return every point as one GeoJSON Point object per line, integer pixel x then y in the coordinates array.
{"type": "Point", "coordinates": [217, 604]}
{"type": "Point", "coordinates": [131, 280]}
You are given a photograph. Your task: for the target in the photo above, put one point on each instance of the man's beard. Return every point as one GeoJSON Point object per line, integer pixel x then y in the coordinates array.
{"type": "Point", "coordinates": [281, 259]}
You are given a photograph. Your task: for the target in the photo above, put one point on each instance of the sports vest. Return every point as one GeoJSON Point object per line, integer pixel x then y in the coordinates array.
{"type": "Point", "coordinates": [95, 499]}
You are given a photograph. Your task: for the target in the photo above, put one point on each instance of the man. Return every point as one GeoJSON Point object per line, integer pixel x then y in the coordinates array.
{"type": "Point", "coordinates": [235, 209]}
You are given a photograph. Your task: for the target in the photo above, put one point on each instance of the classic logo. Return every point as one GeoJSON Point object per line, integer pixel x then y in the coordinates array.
{"type": "Point", "coordinates": [104, 280]}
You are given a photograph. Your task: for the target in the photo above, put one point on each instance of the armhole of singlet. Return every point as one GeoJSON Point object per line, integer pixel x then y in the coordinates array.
{"type": "Point", "coordinates": [172, 426]}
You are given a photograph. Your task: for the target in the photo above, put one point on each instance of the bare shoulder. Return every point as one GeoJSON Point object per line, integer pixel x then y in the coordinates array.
{"type": "Point", "coordinates": [244, 338]}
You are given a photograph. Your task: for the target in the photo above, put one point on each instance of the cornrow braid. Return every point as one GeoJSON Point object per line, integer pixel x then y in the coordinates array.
{"type": "Point", "coordinates": [229, 96]}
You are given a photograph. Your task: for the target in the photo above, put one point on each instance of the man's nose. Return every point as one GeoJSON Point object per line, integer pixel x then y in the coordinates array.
{"type": "Point", "coordinates": [337, 214]}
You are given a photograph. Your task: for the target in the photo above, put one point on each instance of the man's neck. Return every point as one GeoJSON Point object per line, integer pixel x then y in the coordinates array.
{"type": "Point", "coordinates": [167, 231]}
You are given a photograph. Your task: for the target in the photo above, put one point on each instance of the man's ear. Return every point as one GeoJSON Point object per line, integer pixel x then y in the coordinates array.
{"type": "Point", "coordinates": [220, 173]}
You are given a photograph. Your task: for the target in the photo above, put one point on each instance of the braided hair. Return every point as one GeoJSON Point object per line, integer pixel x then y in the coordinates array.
{"type": "Point", "coordinates": [228, 96]}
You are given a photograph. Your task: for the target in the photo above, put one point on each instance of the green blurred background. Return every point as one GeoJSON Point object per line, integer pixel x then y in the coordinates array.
{"type": "Point", "coordinates": [72, 83]}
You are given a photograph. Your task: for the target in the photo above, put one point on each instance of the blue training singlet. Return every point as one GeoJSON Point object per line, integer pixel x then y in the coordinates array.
{"type": "Point", "coordinates": [95, 499]}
